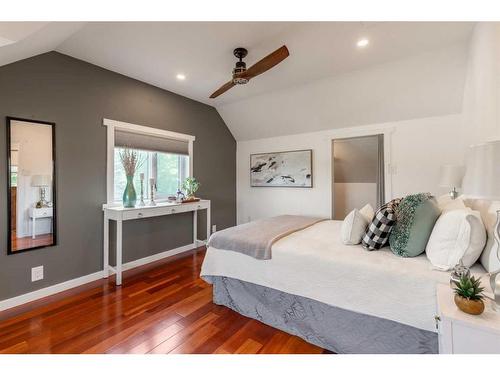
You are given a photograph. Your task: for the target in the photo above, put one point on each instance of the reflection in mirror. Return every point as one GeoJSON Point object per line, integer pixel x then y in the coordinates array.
{"type": "Point", "coordinates": [31, 192]}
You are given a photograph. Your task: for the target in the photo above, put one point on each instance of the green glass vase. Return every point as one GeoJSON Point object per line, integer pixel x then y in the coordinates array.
{"type": "Point", "coordinates": [129, 195]}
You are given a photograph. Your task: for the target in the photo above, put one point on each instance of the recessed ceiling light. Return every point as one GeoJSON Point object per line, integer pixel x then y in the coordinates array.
{"type": "Point", "coordinates": [362, 43]}
{"type": "Point", "coordinates": [180, 77]}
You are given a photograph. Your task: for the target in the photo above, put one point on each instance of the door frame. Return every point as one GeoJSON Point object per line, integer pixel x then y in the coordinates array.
{"type": "Point", "coordinates": [347, 133]}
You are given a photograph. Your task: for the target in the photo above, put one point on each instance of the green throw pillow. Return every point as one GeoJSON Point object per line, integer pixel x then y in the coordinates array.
{"type": "Point", "coordinates": [415, 219]}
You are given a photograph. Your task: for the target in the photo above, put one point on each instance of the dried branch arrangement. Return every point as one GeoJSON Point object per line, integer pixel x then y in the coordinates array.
{"type": "Point", "coordinates": [130, 161]}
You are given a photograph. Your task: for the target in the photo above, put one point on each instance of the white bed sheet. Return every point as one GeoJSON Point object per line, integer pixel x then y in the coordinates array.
{"type": "Point", "coordinates": [314, 263]}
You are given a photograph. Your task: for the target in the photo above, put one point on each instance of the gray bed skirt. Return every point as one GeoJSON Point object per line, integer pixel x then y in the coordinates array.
{"type": "Point", "coordinates": [332, 328]}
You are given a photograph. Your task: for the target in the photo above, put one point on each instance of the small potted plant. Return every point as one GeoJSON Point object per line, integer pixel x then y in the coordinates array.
{"type": "Point", "coordinates": [469, 295]}
{"type": "Point", "coordinates": [190, 186]}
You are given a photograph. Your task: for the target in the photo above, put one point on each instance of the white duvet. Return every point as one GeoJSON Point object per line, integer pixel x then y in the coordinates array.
{"type": "Point", "coordinates": [314, 263]}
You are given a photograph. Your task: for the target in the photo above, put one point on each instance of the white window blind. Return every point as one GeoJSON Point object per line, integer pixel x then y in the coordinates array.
{"type": "Point", "coordinates": [151, 143]}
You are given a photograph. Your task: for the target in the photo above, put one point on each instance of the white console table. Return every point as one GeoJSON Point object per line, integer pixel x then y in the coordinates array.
{"type": "Point", "coordinates": [39, 213]}
{"type": "Point", "coordinates": [120, 214]}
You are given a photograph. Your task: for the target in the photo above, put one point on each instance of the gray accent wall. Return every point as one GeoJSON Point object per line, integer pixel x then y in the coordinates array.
{"type": "Point", "coordinates": [76, 96]}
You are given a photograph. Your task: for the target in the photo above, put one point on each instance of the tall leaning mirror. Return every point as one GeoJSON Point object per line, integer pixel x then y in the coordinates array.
{"type": "Point", "coordinates": [31, 184]}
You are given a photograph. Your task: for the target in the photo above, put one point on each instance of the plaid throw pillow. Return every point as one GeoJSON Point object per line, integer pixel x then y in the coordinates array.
{"type": "Point", "coordinates": [377, 234]}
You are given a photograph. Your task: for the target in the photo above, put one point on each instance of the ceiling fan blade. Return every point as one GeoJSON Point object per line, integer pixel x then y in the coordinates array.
{"type": "Point", "coordinates": [266, 63]}
{"type": "Point", "coordinates": [222, 89]}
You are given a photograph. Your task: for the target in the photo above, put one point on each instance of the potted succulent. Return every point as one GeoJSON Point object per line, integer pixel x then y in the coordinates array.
{"type": "Point", "coordinates": [190, 186]}
{"type": "Point", "coordinates": [469, 295]}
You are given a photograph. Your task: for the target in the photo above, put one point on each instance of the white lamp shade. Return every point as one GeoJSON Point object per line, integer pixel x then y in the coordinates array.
{"type": "Point", "coordinates": [40, 180]}
{"type": "Point", "coordinates": [451, 176]}
{"type": "Point", "coordinates": [482, 174]}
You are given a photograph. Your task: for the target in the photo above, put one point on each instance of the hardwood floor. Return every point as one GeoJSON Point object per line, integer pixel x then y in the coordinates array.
{"type": "Point", "coordinates": [27, 242]}
{"type": "Point", "coordinates": [161, 308]}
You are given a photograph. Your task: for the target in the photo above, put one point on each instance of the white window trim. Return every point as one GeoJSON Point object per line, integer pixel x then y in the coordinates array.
{"type": "Point", "coordinates": [113, 125]}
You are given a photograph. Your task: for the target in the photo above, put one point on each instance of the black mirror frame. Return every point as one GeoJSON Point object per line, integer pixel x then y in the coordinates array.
{"type": "Point", "coordinates": [54, 195]}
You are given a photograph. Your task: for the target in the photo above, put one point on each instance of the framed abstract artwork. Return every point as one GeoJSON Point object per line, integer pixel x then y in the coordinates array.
{"type": "Point", "coordinates": [282, 169]}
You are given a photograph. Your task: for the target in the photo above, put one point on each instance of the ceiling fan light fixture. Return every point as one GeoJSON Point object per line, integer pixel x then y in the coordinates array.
{"type": "Point", "coordinates": [241, 75]}
{"type": "Point", "coordinates": [240, 68]}
{"type": "Point", "coordinates": [239, 81]}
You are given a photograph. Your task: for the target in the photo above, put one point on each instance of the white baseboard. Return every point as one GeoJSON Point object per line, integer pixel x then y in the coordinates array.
{"type": "Point", "coordinates": [53, 289]}
{"type": "Point", "coordinates": [73, 283]}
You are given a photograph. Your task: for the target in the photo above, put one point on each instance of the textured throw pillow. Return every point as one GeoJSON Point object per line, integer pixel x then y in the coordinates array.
{"type": "Point", "coordinates": [354, 225]}
{"type": "Point", "coordinates": [378, 231]}
{"type": "Point", "coordinates": [457, 234]}
{"type": "Point", "coordinates": [415, 218]}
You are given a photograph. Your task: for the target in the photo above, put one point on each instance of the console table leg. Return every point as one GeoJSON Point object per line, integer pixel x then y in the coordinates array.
{"type": "Point", "coordinates": [195, 228]}
{"type": "Point", "coordinates": [33, 227]}
{"type": "Point", "coordinates": [209, 224]}
{"type": "Point", "coordinates": [118, 252]}
{"type": "Point", "coordinates": [105, 247]}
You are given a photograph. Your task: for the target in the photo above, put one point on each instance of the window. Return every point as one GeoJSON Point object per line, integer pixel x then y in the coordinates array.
{"type": "Point", "coordinates": [165, 156]}
{"type": "Point", "coordinates": [168, 170]}
{"type": "Point", "coordinates": [13, 175]}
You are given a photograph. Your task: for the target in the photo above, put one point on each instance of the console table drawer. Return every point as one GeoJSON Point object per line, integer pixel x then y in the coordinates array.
{"type": "Point", "coordinates": [151, 212]}
{"type": "Point", "coordinates": [196, 205]}
{"type": "Point", "coordinates": [41, 212]}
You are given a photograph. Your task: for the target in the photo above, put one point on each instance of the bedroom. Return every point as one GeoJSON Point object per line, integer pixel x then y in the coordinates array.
{"type": "Point", "coordinates": [249, 187]}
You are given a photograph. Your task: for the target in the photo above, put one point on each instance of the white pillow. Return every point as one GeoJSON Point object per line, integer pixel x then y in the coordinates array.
{"type": "Point", "coordinates": [457, 234]}
{"type": "Point", "coordinates": [355, 223]}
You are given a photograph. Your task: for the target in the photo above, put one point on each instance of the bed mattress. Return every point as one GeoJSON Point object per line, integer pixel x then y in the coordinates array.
{"type": "Point", "coordinates": [314, 263]}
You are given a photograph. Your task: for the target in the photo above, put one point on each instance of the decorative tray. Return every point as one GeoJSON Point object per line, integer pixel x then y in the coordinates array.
{"type": "Point", "coordinates": [191, 200]}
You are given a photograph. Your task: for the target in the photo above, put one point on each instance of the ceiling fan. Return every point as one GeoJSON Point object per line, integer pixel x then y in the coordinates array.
{"type": "Point", "coordinates": [241, 75]}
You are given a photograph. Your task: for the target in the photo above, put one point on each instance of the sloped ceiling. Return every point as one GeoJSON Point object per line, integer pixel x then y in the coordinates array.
{"type": "Point", "coordinates": [409, 69]}
{"type": "Point", "coordinates": [427, 85]}
{"type": "Point", "coordinates": [20, 40]}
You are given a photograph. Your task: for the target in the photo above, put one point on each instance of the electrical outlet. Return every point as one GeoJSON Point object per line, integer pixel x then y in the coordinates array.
{"type": "Point", "coordinates": [37, 273]}
{"type": "Point", "coordinates": [214, 228]}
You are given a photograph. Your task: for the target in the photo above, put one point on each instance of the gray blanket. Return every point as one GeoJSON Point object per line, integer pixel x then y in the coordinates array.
{"type": "Point", "coordinates": [256, 238]}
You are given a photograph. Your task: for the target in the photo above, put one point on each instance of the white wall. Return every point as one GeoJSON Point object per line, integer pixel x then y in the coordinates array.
{"type": "Point", "coordinates": [481, 105]}
{"type": "Point", "coordinates": [417, 148]}
{"type": "Point", "coordinates": [436, 129]}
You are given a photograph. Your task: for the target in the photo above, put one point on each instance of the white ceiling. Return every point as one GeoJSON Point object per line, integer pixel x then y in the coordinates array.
{"type": "Point", "coordinates": [25, 39]}
{"type": "Point", "coordinates": [156, 52]}
{"type": "Point", "coordinates": [426, 85]}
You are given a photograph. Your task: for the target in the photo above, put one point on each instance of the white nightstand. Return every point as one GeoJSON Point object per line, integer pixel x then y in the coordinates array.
{"type": "Point", "coordinates": [461, 333]}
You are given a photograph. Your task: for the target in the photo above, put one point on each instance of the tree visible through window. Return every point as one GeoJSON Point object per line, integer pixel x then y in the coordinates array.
{"type": "Point", "coordinates": [13, 176]}
{"type": "Point", "coordinates": [168, 170]}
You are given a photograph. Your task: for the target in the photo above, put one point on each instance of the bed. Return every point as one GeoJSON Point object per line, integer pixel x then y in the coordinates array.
{"type": "Point", "coordinates": [342, 298]}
